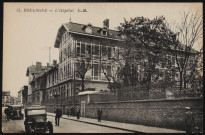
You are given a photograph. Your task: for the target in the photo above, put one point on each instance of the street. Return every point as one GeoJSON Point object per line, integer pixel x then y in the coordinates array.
{"type": "Point", "coordinates": [66, 126]}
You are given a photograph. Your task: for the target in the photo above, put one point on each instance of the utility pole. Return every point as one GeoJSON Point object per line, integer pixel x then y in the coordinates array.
{"type": "Point", "coordinates": [49, 55]}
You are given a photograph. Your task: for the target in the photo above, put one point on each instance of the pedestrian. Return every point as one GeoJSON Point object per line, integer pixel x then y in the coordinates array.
{"type": "Point", "coordinates": [99, 114]}
{"type": "Point", "coordinates": [58, 116]}
{"type": "Point", "coordinates": [78, 113]}
{"type": "Point", "coordinates": [72, 111]}
{"type": "Point", "coordinates": [188, 120]}
{"type": "Point", "coordinates": [7, 114]}
{"type": "Point", "coordinates": [68, 112]}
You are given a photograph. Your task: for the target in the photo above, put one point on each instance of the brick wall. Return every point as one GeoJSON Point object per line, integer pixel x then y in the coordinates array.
{"type": "Point", "coordinates": [159, 113]}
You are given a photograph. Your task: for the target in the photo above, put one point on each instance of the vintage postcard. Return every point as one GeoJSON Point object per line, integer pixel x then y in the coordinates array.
{"type": "Point", "coordinates": [102, 67]}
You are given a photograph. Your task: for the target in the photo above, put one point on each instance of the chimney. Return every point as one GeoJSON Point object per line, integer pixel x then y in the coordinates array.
{"type": "Point", "coordinates": [106, 23]}
{"type": "Point", "coordinates": [38, 65]}
{"type": "Point", "coordinates": [54, 62]}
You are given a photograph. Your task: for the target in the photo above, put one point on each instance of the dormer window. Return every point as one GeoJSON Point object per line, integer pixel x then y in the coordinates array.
{"type": "Point", "coordinates": [104, 32]}
{"type": "Point", "coordinates": [88, 28]}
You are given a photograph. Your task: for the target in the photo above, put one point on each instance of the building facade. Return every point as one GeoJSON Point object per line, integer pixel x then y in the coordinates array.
{"type": "Point", "coordinates": [86, 63]}
{"type": "Point", "coordinates": [20, 97]}
{"type": "Point", "coordinates": [32, 72]}
{"type": "Point", "coordinates": [5, 98]}
{"type": "Point", "coordinates": [81, 47]}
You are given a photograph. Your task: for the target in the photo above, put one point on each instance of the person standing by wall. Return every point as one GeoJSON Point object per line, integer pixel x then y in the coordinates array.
{"type": "Point", "coordinates": [58, 116]}
{"type": "Point", "coordinates": [78, 112]}
{"type": "Point", "coordinates": [68, 112]}
{"type": "Point", "coordinates": [72, 111]}
{"type": "Point", "coordinates": [99, 114]}
{"type": "Point", "coordinates": [189, 120]}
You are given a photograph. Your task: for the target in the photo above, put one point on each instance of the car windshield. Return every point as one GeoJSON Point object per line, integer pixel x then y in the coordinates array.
{"type": "Point", "coordinates": [36, 112]}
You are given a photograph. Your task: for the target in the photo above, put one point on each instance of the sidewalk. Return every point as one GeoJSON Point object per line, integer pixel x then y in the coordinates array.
{"type": "Point", "coordinates": [121, 126]}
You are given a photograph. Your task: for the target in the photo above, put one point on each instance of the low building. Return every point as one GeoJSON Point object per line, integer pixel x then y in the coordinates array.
{"type": "Point", "coordinates": [16, 102]}
{"type": "Point", "coordinates": [5, 98]}
{"type": "Point", "coordinates": [12, 100]}
{"type": "Point", "coordinates": [20, 97]}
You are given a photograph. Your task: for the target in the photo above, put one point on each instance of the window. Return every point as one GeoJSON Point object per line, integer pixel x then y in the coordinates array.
{"type": "Point", "coordinates": [104, 32]}
{"type": "Point", "coordinates": [78, 49]}
{"type": "Point", "coordinates": [60, 58]}
{"type": "Point", "coordinates": [95, 50]}
{"type": "Point", "coordinates": [68, 70]}
{"type": "Point", "coordinates": [173, 60]}
{"type": "Point", "coordinates": [109, 52]}
{"type": "Point", "coordinates": [104, 51]}
{"type": "Point", "coordinates": [82, 49]}
{"type": "Point", "coordinates": [88, 30]}
{"type": "Point", "coordinates": [113, 52]}
{"type": "Point", "coordinates": [49, 78]}
{"type": "Point", "coordinates": [64, 72]}
{"type": "Point", "coordinates": [109, 71]}
{"type": "Point", "coordinates": [77, 67]}
{"type": "Point", "coordinates": [61, 73]}
{"type": "Point", "coordinates": [95, 70]}
{"type": "Point", "coordinates": [88, 49]}
{"type": "Point", "coordinates": [68, 51]}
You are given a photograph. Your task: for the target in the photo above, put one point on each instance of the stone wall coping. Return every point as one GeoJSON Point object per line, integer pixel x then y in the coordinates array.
{"type": "Point", "coordinates": [150, 100]}
{"type": "Point", "coordinates": [87, 92]}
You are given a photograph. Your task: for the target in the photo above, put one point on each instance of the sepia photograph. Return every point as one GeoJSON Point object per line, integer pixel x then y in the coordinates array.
{"type": "Point", "coordinates": [102, 67]}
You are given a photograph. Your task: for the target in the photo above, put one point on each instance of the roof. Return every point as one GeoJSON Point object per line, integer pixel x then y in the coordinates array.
{"type": "Point", "coordinates": [33, 69]}
{"type": "Point", "coordinates": [5, 93]}
{"type": "Point", "coordinates": [79, 29]}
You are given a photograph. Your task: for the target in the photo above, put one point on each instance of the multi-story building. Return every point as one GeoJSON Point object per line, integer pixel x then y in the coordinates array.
{"type": "Point", "coordinates": [38, 85]}
{"type": "Point", "coordinates": [5, 98]}
{"type": "Point", "coordinates": [96, 45]}
{"type": "Point", "coordinates": [51, 85]}
{"type": "Point", "coordinates": [32, 71]}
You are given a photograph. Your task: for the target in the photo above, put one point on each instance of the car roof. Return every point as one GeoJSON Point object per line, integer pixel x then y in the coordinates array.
{"type": "Point", "coordinates": [35, 107]}
{"type": "Point", "coordinates": [15, 106]}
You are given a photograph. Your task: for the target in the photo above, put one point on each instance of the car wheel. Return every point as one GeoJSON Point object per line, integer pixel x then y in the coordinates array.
{"type": "Point", "coordinates": [28, 128]}
{"type": "Point", "coordinates": [50, 127]}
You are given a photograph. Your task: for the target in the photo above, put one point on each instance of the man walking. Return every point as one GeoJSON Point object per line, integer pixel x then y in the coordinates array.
{"type": "Point", "coordinates": [72, 111]}
{"type": "Point", "coordinates": [188, 120]}
{"type": "Point", "coordinates": [58, 115]}
{"type": "Point", "coordinates": [99, 114]}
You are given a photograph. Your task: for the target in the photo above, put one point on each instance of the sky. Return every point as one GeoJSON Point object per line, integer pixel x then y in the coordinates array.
{"type": "Point", "coordinates": [27, 36]}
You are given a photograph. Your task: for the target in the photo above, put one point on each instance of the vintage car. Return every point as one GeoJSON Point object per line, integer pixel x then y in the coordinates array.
{"type": "Point", "coordinates": [15, 112]}
{"type": "Point", "coordinates": [36, 120]}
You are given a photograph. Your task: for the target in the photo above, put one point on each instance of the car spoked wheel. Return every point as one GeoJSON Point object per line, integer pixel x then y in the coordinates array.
{"type": "Point", "coordinates": [50, 127]}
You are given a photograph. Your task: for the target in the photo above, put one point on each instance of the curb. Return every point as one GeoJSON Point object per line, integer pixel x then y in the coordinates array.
{"type": "Point", "coordinates": [100, 124]}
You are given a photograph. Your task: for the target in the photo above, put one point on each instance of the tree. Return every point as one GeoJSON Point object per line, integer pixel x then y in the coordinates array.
{"type": "Point", "coordinates": [146, 42]}
{"type": "Point", "coordinates": [189, 32]}
{"type": "Point", "coordinates": [195, 77]}
{"type": "Point", "coordinates": [83, 65]}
